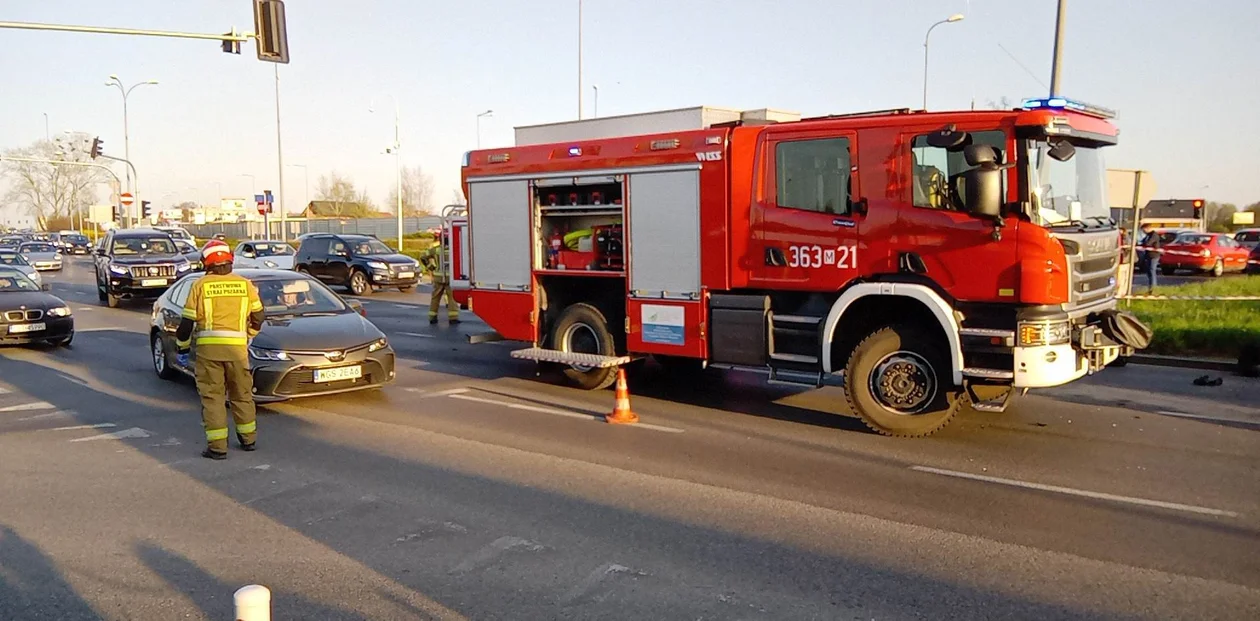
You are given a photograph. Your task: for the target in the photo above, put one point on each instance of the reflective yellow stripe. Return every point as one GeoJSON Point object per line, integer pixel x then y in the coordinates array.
{"type": "Point", "coordinates": [220, 333]}
{"type": "Point", "coordinates": [247, 427]}
{"type": "Point", "coordinates": [189, 314]}
{"type": "Point", "coordinates": [216, 434]}
{"type": "Point", "coordinates": [208, 308]}
{"type": "Point", "coordinates": [183, 344]}
{"type": "Point", "coordinates": [222, 340]}
{"type": "Point", "coordinates": [244, 315]}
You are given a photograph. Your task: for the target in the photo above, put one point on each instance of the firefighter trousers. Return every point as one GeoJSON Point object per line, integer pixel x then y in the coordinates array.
{"type": "Point", "coordinates": [219, 381]}
{"type": "Point", "coordinates": [441, 289]}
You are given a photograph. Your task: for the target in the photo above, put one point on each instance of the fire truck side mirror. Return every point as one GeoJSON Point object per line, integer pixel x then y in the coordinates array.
{"type": "Point", "coordinates": [982, 185]}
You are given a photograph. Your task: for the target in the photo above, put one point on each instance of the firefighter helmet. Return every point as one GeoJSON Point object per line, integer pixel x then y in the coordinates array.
{"type": "Point", "coordinates": [215, 252]}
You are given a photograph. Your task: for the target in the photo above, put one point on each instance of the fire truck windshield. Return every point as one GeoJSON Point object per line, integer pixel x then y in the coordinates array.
{"type": "Point", "coordinates": [1069, 193]}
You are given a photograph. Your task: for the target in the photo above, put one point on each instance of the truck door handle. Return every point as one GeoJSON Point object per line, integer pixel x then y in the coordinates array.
{"type": "Point", "coordinates": [775, 257]}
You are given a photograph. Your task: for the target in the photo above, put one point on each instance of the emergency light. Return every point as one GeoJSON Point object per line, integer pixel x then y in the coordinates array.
{"type": "Point", "coordinates": [1063, 103]}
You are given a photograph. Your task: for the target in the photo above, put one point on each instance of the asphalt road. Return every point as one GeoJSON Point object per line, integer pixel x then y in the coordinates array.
{"type": "Point", "coordinates": [473, 489]}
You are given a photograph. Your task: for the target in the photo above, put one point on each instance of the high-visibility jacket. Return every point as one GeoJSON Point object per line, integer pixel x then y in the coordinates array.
{"type": "Point", "coordinates": [227, 312]}
{"type": "Point", "coordinates": [432, 261]}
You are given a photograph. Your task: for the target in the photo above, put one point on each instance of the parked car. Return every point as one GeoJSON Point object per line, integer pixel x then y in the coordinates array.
{"type": "Point", "coordinates": [312, 343]}
{"type": "Point", "coordinates": [29, 314]}
{"type": "Point", "coordinates": [42, 255]}
{"type": "Point", "coordinates": [1213, 253]}
{"type": "Point", "coordinates": [14, 259]}
{"type": "Point", "coordinates": [360, 263]}
{"type": "Point", "coordinates": [1247, 238]}
{"type": "Point", "coordinates": [1253, 261]}
{"type": "Point", "coordinates": [266, 254]}
{"type": "Point", "coordinates": [137, 263]}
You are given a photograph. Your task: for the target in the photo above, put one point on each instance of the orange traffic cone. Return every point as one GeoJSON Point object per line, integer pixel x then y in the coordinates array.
{"type": "Point", "coordinates": [621, 414]}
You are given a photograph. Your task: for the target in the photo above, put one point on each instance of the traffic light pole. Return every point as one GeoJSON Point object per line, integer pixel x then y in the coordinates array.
{"type": "Point", "coordinates": [33, 160]}
{"type": "Point", "coordinates": [135, 193]}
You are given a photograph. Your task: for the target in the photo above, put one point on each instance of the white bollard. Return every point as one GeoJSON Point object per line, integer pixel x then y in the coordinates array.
{"type": "Point", "coordinates": [253, 603]}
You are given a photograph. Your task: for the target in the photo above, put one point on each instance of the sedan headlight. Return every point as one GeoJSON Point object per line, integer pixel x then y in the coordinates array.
{"type": "Point", "coordinates": [121, 270]}
{"type": "Point", "coordinates": [377, 265]}
{"type": "Point", "coordinates": [1205, 253]}
{"type": "Point", "coordinates": [378, 345]}
{"type": "Point", "coordinates": [1046, 333]}
{"type": "Point", "coordinates": [259, 353]}
{"type": "Point", "coordinates": [60, 311]}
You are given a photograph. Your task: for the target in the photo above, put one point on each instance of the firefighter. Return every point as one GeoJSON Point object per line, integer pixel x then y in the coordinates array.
{"type": "Point", "coordinates": [437, 268]}
{"type": "Point", "coordinates": [226, 311]}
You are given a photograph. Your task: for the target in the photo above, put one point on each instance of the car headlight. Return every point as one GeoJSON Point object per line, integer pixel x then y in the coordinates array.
{"type": "Point", "coordinates": [377, 265]}
{"type": "Point", "coordinates": [378, 345]}
{"type": "Point", "coordinates": [259, 353]}
{"type": "Point", "coordinates": [60, 311]}
{"type": "Point", "coordinates": [1045, 333]}
{"type": "Point", "coordinates": [271, 264]}
{"type": "Point", "coordinates": [183, 267]}
{"type": "Point", "coordinates": [1205, 253]}
{"type": "Point", "coordinates": [121, 270]}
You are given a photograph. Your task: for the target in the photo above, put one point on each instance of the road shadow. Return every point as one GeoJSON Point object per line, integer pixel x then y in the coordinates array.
{"type": "Point", "coordinates": [31, 586]}
{"type": "Point", "coordinates": [214, 597]}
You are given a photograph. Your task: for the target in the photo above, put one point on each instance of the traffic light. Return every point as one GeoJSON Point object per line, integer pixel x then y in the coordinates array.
{"type": "Point", "coordinates": [97, 143]}
{"type": "Point", "coordinates": [1198, 209]}
{"type": "Point", "coordinates": [270, 32]}
{"type": "Point", "coordinates": [146, 209]}
{"type": "Point", "coordinates": [115, 214]}
{"type": "Point", "coordinates": [231, 47]}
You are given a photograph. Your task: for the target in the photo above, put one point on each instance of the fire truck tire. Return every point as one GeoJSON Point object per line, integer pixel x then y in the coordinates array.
{"type": "Point", "coordinates": [898, 382]}
{"type": "Point", "coordinates": [582, 328]}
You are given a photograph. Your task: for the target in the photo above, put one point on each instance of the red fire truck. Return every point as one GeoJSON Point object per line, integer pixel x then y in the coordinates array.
{"type": "Point", "coordinates": [923, 255]}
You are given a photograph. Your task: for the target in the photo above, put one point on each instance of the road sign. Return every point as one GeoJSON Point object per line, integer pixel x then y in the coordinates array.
{"type": "Point", "coordinates": [127, 199]}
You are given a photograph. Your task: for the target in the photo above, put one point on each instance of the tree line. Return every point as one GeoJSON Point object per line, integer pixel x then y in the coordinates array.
{"type": "Point", "coordinates": [338, 197]}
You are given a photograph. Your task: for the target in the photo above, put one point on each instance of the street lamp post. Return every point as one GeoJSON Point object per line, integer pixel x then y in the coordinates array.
{"type": "Point", "coordinates": [595, 113]}
{"type": "Point", "coordinates": [126, 92]}
{"type": "Point", "coordinates": [486, 113]}
{"type": "Point", "coordinates": [579, 50]}
{"type": "Point", "coordinates": [397, 169]}
{"type": "Point", "coordinates": [957, 17]}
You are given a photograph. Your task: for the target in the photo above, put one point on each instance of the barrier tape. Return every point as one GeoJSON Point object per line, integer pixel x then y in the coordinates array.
{"type": "Point", "coordinates": [1222, 298]}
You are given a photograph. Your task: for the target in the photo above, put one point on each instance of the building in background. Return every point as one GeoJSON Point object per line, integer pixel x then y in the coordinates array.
{"type": "Point", "coordinates": [1175, 213]}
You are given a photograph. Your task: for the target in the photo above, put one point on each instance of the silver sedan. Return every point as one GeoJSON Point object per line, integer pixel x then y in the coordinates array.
{"type": "Point", "coordinates": [10, 258]}
{"type": "Point", "coordinates": [42, 255]}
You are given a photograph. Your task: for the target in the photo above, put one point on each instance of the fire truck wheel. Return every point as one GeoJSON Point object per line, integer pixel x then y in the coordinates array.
{"type": "Point", "coordinates": [897, 381]}
{"type": "Point", "coordinates": [581, 328]}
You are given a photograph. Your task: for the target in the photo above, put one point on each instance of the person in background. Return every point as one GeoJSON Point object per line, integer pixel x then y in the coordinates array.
{"type": "Point", "coordinates": [1152, 247]}
{"type": "Point", "coordinates": [437, 268]}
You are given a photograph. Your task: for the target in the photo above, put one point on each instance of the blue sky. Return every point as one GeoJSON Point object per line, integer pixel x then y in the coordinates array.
{"type": "Point", "coordinates": [1182, 76]}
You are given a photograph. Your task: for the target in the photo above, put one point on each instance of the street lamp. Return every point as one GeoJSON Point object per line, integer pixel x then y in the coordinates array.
{"type": "Point", "coordinates": [126, 91]}
{"type": "Point", "coordinates": [397, 167]}
{"type": "Point", "coordinates": [579, 50]}
{"type": "Point", "coordinates": [957, 17]}
{"type": "Point", "coordinates": [486, 113]}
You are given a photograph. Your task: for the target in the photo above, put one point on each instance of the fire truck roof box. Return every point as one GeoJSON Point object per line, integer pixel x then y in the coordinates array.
{"type": "Point", "coordinates": [663, 121]}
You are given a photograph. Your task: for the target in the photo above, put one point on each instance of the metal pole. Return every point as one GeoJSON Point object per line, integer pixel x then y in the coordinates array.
{"type": "Point", "coordinates": [127, 154]}
{"type": "Point", "coordinates": [1055, 70]}
{"type": "Point", "coordinates": [241, 37]}
{"type": "Point", "coordinates": [579, 68]}
{"type": "Point", "coordinates": [284, 228]}
{"type": "Point", "coordinates": [595, 114]}
{"type": "Point", "coordinates": [398, 177]}
{"type": "Point", "coordinates": [953, 18]}
{"type": "Point", "coordinates": [46, 134]}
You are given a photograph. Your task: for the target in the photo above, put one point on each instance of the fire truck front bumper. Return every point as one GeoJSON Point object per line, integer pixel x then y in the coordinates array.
{"type": "Point", "coordinates": [1059, 352]}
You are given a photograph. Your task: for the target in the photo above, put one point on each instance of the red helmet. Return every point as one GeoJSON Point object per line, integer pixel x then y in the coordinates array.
{"type": "Point", "coordinates": [215, 252]}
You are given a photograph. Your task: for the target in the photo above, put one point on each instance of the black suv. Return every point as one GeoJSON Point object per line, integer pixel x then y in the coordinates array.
{"type": "Point", "coordinates": [360, 263]}
{"type": "Point", "coordinates": [76, 244]}
{"type": "Point", "coordinates": [137, 263]}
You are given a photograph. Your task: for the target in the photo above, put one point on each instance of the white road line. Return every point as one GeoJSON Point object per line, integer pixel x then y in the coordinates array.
{"type": "Point", "coordinates": [417, 334]}
{"type": "Point", "coordinates": [134, 432]}
{"type": "Point", "coordinates": [488, 554]}
{"type": "Point", "coordinates": [406, 306]}
{"type": "Point", "coordinates": [1078, 492]}
{"type": "Point", "coordinates": [1199, 417]}
{"type": "Point", "coordinates": [440, 393]}
{"type": "Point", "coordinates": [84, 309]}
{"type": "Point", "coordinates": [556, 412]}
{"type": "Point", "coordinates": [105, 329]}
{"type": "Point", "coordinates": [26, 407]}
{"type": "Point", "coordinates": [581, 592]}
{"type": "Point", "coordinates": [73, 427]}
{"type": "Point", "coordinates": [47, 415]}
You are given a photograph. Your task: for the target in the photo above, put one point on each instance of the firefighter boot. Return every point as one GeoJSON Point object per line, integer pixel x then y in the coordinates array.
{"type": "Point", "coordinates": [210, 453]}
{"type": "Point", "coordinates": [246, 446]}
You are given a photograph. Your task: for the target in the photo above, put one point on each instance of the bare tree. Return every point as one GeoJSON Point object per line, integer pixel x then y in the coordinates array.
{"type": "Point", "coordinates": [1003, 103]}
{"type": "Point", "coordinates": [417, 187]}
{"type": "Point", "coordinates": [457, 198]}
{"type": "Point", "coordinates": [50, 191]}
{"type": "Point", "coordinates": [338, 191]}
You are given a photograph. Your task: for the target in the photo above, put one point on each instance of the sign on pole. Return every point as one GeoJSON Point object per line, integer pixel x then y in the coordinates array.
{"type": "Point", "coordinates": [1244, 217]}
{"type": "Point", "coordinates": [127, 199]}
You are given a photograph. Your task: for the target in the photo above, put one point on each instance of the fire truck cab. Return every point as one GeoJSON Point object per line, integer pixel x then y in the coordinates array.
{"type": "Point", "coordinates": [923, 255]}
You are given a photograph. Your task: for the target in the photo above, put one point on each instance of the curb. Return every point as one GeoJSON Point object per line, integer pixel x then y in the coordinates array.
{"type": "Point", "coordinates": [1206, 364]}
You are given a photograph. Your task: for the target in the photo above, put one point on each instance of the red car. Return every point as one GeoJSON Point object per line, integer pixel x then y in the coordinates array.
{"type": "Point", "coordinates": [1214, 253]}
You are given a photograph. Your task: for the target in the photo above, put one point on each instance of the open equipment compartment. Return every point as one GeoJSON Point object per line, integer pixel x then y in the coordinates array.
{"type": "Point", "coordinates": [580, 224]}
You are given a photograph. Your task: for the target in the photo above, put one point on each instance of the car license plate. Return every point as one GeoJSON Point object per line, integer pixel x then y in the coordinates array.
{"type": "Point", "coordinates": [406, 274]}
{"type": "Point", "coordinates": [27, 327]}
{"type": "Point", "coordinates": [153, 282]}
{"type": "Point", "coordinates": [338, 374]}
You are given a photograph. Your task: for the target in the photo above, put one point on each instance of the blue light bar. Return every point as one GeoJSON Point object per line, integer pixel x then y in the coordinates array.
{"type": "Point", "coordinates": [1063, 103]}
{"type": "Point", "coordinates": [575, 151]}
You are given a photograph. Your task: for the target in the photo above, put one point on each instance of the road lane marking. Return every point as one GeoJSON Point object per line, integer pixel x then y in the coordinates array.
{"type": "Point", "coordinates": [1217, 419]}
{"type": "Point", "coordinates": [440, 393]}
{"type": "Point", "coordinates": [84, 309]}
{"type": "Point", "coordinates": [406, 306]}
{"type": "Point", "coordinates": [423, 336]}
{"type": "Point", "coordinates": [1078, 492]}
{"type": "Point", "coordinates": [26, 407]}
{"type": "Point", "coordinates": [134, 432]}
{"type": "Point", "coordinates": [73, 427]}
{"type": "Point", "coordinates": [556, 412]}
{"type": "Point", "coordinates": [491, 552]}
{"type": "Point", "coordinates": [47, 415]}
{"type": "Point", "coordinates": [587, 587]}
{"type": "Point", "coordinates": [105, 329]}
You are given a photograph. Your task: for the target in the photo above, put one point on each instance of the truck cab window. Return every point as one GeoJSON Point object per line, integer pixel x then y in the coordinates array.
{"type": "Point", "coordinates": [934, 170]}
{"type": "Point", "coordinates": [814, 175]}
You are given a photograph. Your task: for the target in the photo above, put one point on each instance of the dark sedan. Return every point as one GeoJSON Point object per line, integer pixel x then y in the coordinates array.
{"type": "Point", "coordinates": [29, 314]}
{"type": "Point", "coordinates": [312, 343]}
